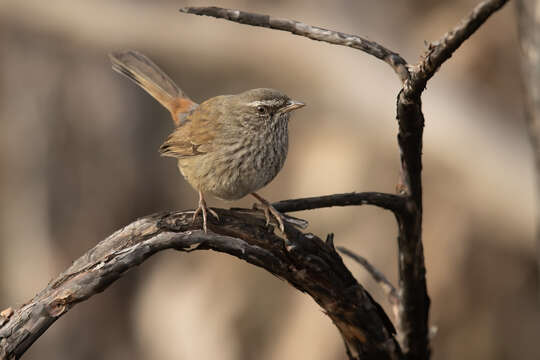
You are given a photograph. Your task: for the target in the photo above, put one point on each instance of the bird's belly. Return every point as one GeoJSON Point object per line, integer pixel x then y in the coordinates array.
{"type": "Point", "coordinates": [235, 172]}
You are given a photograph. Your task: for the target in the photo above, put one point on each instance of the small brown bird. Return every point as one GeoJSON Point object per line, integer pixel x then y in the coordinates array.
{"type": "Point", "coordinates": [228, 146]}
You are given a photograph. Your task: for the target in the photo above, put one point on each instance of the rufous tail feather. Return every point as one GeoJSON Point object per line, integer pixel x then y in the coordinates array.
{"type": "Point", "coordinates": [145, 73]}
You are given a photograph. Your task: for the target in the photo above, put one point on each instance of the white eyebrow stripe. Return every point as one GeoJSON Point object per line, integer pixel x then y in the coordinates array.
{"type": "Point", "coordinates": [270, 102]}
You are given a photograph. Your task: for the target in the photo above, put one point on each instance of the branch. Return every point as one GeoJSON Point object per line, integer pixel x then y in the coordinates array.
{"type": "Point", "coordinates": [414, 299]}
{"type": "Point", "coordinates": [307, 263]}
{"type": "Point", "coordinates": [385, 284]}
{"type": "Point", "coordinates": [440, 51]}
{"type": "Point", "coordinates": [313, 32]}
{"type": "Point", "coordinates": [392, 202]}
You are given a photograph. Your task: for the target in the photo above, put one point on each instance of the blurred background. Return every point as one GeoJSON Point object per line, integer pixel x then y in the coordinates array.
{"type": "Point", "coordinates": [78, 160]}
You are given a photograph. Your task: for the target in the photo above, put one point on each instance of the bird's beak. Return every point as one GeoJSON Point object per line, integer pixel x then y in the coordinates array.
{"type": "Point", "coordinates": [291, 105]}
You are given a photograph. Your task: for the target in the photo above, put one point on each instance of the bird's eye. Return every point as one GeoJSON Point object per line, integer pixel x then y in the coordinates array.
{"type": "Point", "coordinates": [261, 110]}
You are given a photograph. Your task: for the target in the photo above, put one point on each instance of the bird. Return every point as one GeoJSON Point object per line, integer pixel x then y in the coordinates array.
{"type": "Point", "coordinates": [228, 146]}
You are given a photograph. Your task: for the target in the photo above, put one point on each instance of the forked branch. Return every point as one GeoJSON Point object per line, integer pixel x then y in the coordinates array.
{"type": "Point", "coordinates": [441, 50]}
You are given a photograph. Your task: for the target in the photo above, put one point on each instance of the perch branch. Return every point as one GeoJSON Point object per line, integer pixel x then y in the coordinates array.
{"type": "Point", "coordinates": [313, 32]}
{"type": "Point", "coordinates": [307, 263]}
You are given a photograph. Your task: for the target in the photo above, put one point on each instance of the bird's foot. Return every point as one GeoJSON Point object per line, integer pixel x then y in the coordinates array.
{"type": "Point", "coordinates": [204, 209]}
{"type": "Point", "coordinates": [270, 210]}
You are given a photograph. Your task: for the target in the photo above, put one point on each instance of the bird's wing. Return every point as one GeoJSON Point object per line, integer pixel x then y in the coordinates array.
{"type": "Point", "coordinates": [196, 134]}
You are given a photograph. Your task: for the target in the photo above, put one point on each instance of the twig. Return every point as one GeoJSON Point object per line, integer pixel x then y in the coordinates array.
{"type": "Point", "coordinates": [313, 32]}
{"type": "Point", "coordinates": [391, 202]}
{"type": "Point", "coordinates": [308, 263]}
{"type": "Point", "coordinates": [385, 284]}
{"type": "Point", "coordinates": [388, 288]}
{"type": "Point", "coordinates": [440, 51]}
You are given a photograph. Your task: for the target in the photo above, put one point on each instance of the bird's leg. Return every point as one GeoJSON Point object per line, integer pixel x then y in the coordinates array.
{"type": "Point", "coordinates": [203, 208]}
{"type": "Point", "coordinates": [269, 209]}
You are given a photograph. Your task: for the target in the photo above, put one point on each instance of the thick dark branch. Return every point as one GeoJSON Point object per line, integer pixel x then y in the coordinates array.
{"type": "Point", "coordinates": [413, 323]}
{"type": "Point", "coordinates": [414, 300]}
{"type": "Point", "coordinates": [441, 50]}
{"type": "Point", "coordinates": [392, 202]}
{"type": "Point", "coordinates": [307, 263]}
{"type": "Point", "coordinates": [313, 32]}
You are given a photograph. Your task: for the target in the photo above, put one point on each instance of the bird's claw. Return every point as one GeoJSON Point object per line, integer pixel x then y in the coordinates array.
{"type": "Point", "coordinates": [270, 211]}
{"type": "Point", "coordinates": [203, 208]}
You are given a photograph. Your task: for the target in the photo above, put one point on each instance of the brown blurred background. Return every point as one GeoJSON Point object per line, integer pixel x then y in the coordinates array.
{"type": "Point", "coordinates": [78, 160]}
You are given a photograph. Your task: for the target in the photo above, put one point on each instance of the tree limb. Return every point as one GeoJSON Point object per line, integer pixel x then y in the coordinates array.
{"type": "Point", "coordinates": [313, 32]}
{"type": "Point", "coordinates": [413, 323]}
{"type": "Point", "coordinates": [395, 203]}
{"type": "Point", "coordinates": [414, 299]}
{"type": "Point", "coordinates": [307, 263]}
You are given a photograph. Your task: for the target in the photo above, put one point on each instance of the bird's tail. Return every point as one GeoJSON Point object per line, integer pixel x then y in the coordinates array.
{"type": "Point", "coordinates": [154, 81]}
